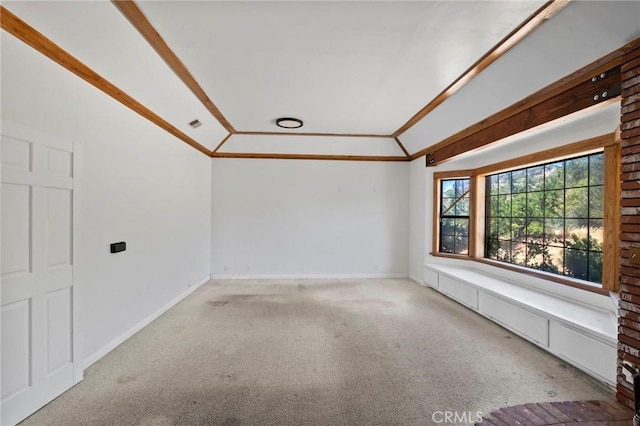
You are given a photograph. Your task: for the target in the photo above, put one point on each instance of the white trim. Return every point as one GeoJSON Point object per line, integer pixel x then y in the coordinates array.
{"type": "Point", "coordinates": [91, 359]}
{"type": "Point", "coordinates": [416, 279]}
{"type": "Point", "coordinates": [304, 276]}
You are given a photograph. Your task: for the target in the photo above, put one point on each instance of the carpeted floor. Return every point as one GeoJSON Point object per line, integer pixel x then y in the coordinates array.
{"type": "Point", "coordinates": [313, 352]}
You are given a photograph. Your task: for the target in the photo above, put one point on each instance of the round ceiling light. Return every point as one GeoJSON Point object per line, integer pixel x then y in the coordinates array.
{"type": "Point", "coordinates": [289, 123]}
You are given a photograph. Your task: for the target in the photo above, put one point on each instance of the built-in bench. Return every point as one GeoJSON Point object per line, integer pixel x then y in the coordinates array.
{"type": "Point", "coordinates": [582, 335]}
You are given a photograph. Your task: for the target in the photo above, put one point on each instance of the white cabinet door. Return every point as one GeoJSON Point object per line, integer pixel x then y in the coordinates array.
{"type": "Point", "coordinates": [37, 361]}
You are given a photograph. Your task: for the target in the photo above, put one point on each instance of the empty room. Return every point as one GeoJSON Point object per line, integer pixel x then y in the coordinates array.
{"type": "Point", "coordinates": [320, 212]}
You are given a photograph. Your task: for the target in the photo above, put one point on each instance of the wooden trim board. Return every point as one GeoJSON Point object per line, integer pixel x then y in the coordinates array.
{"type": "Point", "coordinates": [133, 13]}
{"type": "Point", "coordinates": [27, 34]}
{"type": "Point", "coordinates": [548, 10]}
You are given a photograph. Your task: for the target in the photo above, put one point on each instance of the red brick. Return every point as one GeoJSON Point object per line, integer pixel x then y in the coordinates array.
{"type": "Point", "coordinates": [631, 116]}
{"type": "Point", "coordinates": [630, 219]}
{"type": "Point", "coordinates": [628, 125]}
{"type": "Point", "coordinates": [632, 99]}
{"type": "Point", "coordinates": [631, 82]}
{"type": "Point", "coordinates": [630, 108]}
{"type": "Point", "coordinates": [626, 134]}
{"type": "Point", "coordinates": [630, 91]}
{"type": "Point", "coordinates": [631, 64]}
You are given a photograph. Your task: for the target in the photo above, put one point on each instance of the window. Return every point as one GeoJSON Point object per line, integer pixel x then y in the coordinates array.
{"type": "Point", "coordinates": [548, 217]}
{"type": "Point", "coordinates": [454, 216]}
{"type": "Point", "coordinates": [543, 214]}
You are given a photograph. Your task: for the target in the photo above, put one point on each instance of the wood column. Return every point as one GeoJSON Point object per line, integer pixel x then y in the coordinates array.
{"type": "Point", "coordinates": [629, 321]}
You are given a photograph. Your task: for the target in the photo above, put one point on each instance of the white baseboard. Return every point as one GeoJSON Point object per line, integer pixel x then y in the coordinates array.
{"type": "Point", "coordinates": [416, 279]}
{"type": "Point", "coordinates": [303, 276]}
{"type": "Point", "coordinates": [88, 361]}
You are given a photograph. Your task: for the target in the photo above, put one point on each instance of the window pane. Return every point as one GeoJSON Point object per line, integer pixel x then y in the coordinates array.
{"type": "Point", "coordinates": [519, 204]}
{"type": "Point", "coordinates": [554, 232]}
{"type": "Point", "coordinates": [576, 263]}
{"type": "Point", "coordinates": [596, 234]}
{"type": "Point", "coordinates": [553, 259]}
{"type": "Point", "coordinates": [596, 204]}
{"type": "Point", "coordinates": [519, 229]}
{"type": "Point", "coordinates": [462, 207]}
{"type": "Point", "coordinates": [504, 228]}
{"type": "Point", "coordinates": [492, 224]}
{"type": "Point", "coordinates": [595, 267]}
{"type": "Point", "coordinates": [448, 189]}
{"type": "Point", "coordinates": [554, 203]}
{"type": "Point", "coordinates": [447, 205]}
{"type": "Point", "coordinates": [462, 227]}
{"type": "Point", "coordinates": [491, 249]}
{"type": "Point", "coordinates": [535, 204]}
{"type": "Point", "coordinates": [462, 245]}
{"type": "Point", "coordinates": [535, 178]}
{"type": "Point", "coordinates": [575, 229]}
{"type": "Point", "coordinates": [504, 205]}
{"type": "Point", "coordinates": [519, 180]}
{"type": "Point", "coordinates": [462, 187]}
{"type": "Point", "coordinates": [504, 251]}
{"type": "Point", "coordinates": [577, 172]}
{"type": "Point", "coordinates": [493, 184]}
{"type": "Point", "coordinates": [519, 253]}
{"type": "Point", "coordinates": [596, 169]}
{"type": "Point", "coordinates": [504, 183]}
{"type": "Point", "coordinates": [577, 202]}
{"type": "Point", "coordinates": [493, 206]}
{"type": "Point", "coordinates": [535, 231]}
{"type": "Point", "coordinates": [554, 175]}
{"type": "Point", "coordinates": [446, 243]}
{"type": "Point", "coordinates": [447, 226]}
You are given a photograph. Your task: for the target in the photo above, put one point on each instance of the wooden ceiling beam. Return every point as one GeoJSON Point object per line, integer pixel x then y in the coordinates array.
{"type": "Point", "coordinates": [548, 10]}
{"type": "Point", "coordinates": [27, 34]}
{"type": "Point", "coordinates": [503, 123]}
{"type": "Point", "coordinates": [585, 95]}
{"type": "Point", "coordinates": [135, 16]}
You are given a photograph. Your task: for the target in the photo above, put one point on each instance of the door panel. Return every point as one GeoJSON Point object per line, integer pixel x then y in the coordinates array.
{"type": "Point", "coordinates": [37, 275]}
{"type": "Point", "coordinates": [16, 336]}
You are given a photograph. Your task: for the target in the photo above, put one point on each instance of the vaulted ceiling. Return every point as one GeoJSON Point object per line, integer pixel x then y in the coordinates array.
{"type": "Point", "coordinates": [383, 79]}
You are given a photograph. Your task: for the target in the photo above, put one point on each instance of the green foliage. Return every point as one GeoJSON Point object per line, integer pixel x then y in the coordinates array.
{"type": "Point", "coordinates": [532, 211]}
{"type": "Point", "coordinates": [583, 258]}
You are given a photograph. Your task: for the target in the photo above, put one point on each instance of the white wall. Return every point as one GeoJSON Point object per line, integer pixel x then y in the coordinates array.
{"type": "Point", "coordinates": [277, 218]}
{"type": "Point", "coordinates": [417, 225]}
{"type": "Point", "coordinates": [137, 184]}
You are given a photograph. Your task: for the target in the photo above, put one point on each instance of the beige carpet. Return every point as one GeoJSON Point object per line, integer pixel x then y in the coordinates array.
{"type": "Point", "coordinates": [302, 352]}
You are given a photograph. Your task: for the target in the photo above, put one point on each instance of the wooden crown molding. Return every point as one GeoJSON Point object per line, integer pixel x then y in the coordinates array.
{"type": "Point", "coordinates": [30, 36]}
{"type": "Point", "coordinates": [135, 16]}
{"type": "Point", "coordinates": [547, 11]}
{"type": "Point", "coordinates": [406, 153]}
{"type": "Point", "coordinates": [565, 96]}
{"type": "Point", "coordinates": [308, 157]}
{"type": "Point", "coordinates": [226, 138]}
{"type": "Point", "coordinates": [339, 135]}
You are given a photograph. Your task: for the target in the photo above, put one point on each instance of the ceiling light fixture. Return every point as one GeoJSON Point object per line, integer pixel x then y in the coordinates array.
{"type": "Point", "coordinates": [289, 123]}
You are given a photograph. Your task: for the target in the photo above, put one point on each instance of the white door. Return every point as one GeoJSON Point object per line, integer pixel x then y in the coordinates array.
{"type": "Point", "coordinates": [37, 360]}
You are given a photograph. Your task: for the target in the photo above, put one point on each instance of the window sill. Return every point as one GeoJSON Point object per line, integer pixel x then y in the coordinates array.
{"type": "Point", "coordinates": [582, 285]}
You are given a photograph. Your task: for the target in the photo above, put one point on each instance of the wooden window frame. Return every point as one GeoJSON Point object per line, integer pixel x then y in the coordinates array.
{"type": "Point", "coordinates": [608, 143]}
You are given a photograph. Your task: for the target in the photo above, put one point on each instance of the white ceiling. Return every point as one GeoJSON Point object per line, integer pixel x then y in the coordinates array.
{"type": "Point", "coordinates": [343, 67]}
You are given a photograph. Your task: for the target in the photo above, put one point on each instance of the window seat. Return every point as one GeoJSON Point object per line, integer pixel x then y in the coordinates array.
{"type": "Point", "coordinates": [583, 335]}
